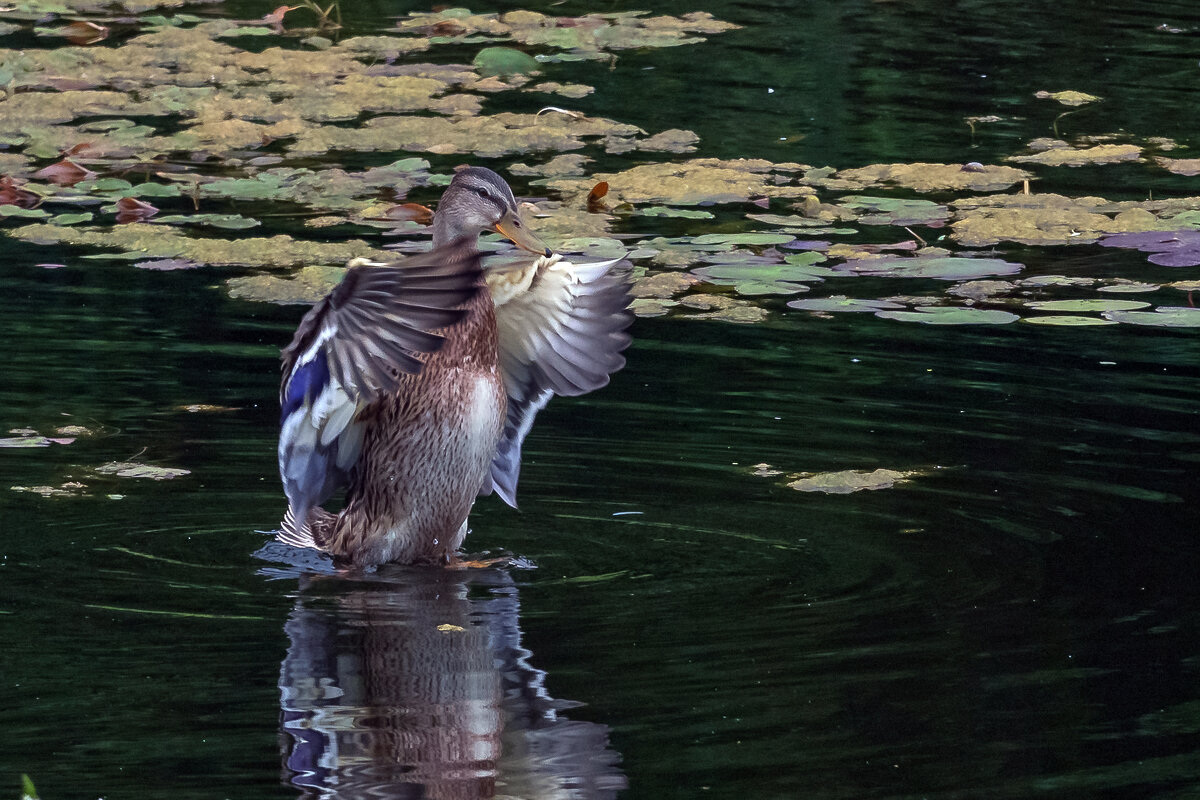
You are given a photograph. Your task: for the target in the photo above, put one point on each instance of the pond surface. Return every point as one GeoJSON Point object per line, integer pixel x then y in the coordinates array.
{"type": "Point", "coordinates": [1017, 619]}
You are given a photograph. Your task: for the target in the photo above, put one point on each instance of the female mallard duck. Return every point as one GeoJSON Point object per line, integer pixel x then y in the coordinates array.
{"type": "Point", "coordinates": [413, 384]}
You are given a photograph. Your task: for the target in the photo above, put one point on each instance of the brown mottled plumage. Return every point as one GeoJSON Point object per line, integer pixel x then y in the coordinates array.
{"type": "Point", "coordinates": [402, 386]}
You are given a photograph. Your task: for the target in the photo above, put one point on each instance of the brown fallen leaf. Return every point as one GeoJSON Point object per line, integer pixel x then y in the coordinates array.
{"type": "Point", "coordinates": [82, 32]}
{"type": "Point", "coordinates": [130, 209]}
{"type": "Point", "coordinates": [275, 18]}
{"type": "Point", "coordinates": [11, 194]}
{"type": "Point", "coordinates": [595, 202]}
{"type": "Point", "coordinates": [64, 173]}
{"type": "Point", "coordinates": [410, 212]}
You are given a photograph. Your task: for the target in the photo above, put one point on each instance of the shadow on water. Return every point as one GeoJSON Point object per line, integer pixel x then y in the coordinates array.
{"type": "Point", "coordinates": [413, 683]}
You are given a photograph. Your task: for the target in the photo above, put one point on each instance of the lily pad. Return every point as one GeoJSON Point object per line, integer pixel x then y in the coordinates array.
{"type": "Point", "coordinates": [723, 309]}
{"type": "Point", "coordinates": [663, 285]}
{"type": "Point", "coordinates": [949, 268]}
{"type": "Point", "coordinates": [851, 480]}
{"type": "Point", "coordinates": [504, 61]}
{"type": "Point", "coordinates": [896, 211]}
{"type": "Point", "coordinates": [226, 221]}
{"type": "Point", "coordinates": [150, 241]}
{"type": "Point", "coordinates": [1129, 287]}
{"type": "Point", "coordinates": [682, 213]}
{"type": "Point", "coordinates": [1163, 316]}
{"type": "Point", "coordinates": [307, 286]}
{"type": "Point", "coordinates": [1043, 219]}
{"type": "Point", "coordinates": [588, 36]}
{"type": "Point", "coordinates": [943, 315]}
{"type": "Point", "coordinates": [1067, 320]}
{"type": "Point", "coordinates": [1068, 98]}
{"type": "Point", "coordinates": [25, 441]}
{"type": "Point", "coordinates": [1077, 157]}
{"type": "Point", "coordinates": [1180, 166]}
{"type": "Point", "coordinates": [840, 303]}
{"type": "Point", "coordinates": [1168, 248]}
{"type": "Point", "coordinates": [134, 469]}
{"type": "Point", "coordinates": [756, 279]}
{"type": "Point", "coordinates": [68, 489]}
{"type": "Point", "coordinates": [925, 177]}
{"type": "Point", "coordinates": [1089, 304]}
{"type": "Point", "coordinates": [692, 182]}
{"type": "Point", "coordinates": [743, 238]}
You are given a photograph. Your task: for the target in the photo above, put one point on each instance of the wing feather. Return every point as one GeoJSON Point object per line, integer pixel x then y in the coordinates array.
{"type": "Point", "coordinates": [353, 347]}
{"type": "Point", "coordinates": [562, 329]}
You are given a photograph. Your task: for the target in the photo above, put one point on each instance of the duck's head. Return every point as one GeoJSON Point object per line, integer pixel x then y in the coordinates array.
{"type": "Point", "coordinates": [478, 200]}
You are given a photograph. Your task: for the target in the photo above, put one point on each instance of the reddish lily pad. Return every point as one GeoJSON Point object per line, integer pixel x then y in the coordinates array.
{"type": "Point", "coordinates": [1167, 248]}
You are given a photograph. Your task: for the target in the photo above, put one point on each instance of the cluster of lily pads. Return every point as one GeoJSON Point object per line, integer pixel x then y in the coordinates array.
{"type": "Point", "coordinates": [82, 483]}
{"type": "Point", "coordinates": [169, 148]}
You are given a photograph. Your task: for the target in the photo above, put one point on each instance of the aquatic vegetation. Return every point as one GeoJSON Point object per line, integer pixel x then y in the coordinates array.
{"type": "Point", "coordinates": [188, 127]}
{"type": "Point", "coordinates": [851, 480]}
{"type": "Point", "coordinates": [136, 469]}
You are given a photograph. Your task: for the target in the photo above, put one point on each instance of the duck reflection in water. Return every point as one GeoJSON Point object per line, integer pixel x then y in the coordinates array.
{"type": "Point", "coordinates": [413, 683]}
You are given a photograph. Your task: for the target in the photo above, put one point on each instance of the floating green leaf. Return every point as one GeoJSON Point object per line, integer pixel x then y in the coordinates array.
{"type": "Point", "coordinates": [1067, 320]}
{"type": "Point", "coordinates": [227, 221]}
{"type": "Point", "coordinates": [1163, 316]}
{"type": "Point", "coordinates": [943, 315]}
{"type": "Point", "coordinates": [504, 61]}
{"type": "Point", "coordinates": [1089, 304]}
{"type": "Point", "coordinates": [948, 268]}
{"type": "Point", "coordinates": [840, 303]}
{"type": "Point", "coordinates": [743, 238]}
{"type": "Point", "coordinates": [667, 211]}
{"type": "Point", "coordinates": [756, 279]}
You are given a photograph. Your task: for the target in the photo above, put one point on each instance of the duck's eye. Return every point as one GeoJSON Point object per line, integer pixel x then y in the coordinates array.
{"type": "Point", "coordinates": [483, 192]}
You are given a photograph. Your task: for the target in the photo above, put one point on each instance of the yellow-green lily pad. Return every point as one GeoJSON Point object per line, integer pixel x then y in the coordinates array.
{"type": "Point", "coordinates": [925, 177]}
{"type": "Point", "coordinates": [134, 469]}
{"type": "Point", "coordinates": [851, 480]}
{"type": "Point", "coordinates": [307, 286]}
{"type": "Point", "coordinates": [1068, 98]}
{"type": "Point", "coordinates": [1077, 157]}
{"type": "Point", "coordinates": [743, 238]}
{"type": "Point", "coordinates": [1067, 320]}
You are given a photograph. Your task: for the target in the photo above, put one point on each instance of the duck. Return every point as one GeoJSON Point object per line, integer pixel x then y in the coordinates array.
{"type": "Point", "coordinates": [413, 384]}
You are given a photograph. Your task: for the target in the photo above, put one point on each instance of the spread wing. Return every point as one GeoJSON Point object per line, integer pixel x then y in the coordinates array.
{"type": "Point", "coordinates": [562, 330]}
{"type": "Point", "coordinates": [351, 348]}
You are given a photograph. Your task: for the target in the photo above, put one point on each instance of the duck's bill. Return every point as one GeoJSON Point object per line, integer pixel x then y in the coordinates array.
{"type": "Point", "coordinates": [511, 227]}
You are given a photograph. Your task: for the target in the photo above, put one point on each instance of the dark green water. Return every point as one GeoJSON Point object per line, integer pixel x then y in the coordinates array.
{"type": "Point", "coordinates": [1022, 622]}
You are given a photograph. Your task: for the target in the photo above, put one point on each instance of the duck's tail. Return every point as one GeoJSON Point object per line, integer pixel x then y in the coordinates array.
{"type": "Point", "coordinates": [296, 534]}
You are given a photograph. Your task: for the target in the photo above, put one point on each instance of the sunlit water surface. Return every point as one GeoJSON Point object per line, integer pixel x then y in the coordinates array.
{"type": "Point", "coordinates": [1019, 621]}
